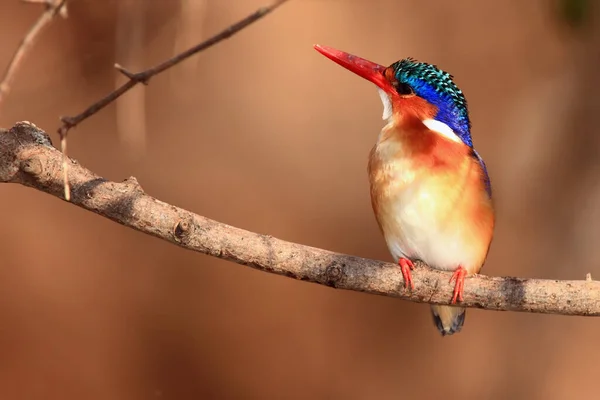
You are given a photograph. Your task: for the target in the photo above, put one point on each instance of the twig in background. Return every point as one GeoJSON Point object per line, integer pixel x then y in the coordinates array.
{"type": "Point", "coordinates": [27, 157]}
{"type": "Point", "coordinates": [144, 76]}
{"type": "Point", "coordinates": [53, 8]}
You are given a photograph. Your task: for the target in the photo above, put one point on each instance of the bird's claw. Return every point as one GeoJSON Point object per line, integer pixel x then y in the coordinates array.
{"type": "Point", "coordinates": [406, 266]}
{"type": "Point", "coordinates": [459, 277]}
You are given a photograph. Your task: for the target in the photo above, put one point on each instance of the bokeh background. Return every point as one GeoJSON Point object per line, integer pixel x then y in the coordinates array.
{"type": "Point", "coordinates": [263, 133]}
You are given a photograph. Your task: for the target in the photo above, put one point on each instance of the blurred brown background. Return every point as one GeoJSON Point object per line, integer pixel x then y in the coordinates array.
{"type": "Point", "coordinates": [263, 133]}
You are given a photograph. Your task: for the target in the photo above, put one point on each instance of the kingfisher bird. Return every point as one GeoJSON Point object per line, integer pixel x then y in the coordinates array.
{"type": "Point", "coordinates": [430, 189]}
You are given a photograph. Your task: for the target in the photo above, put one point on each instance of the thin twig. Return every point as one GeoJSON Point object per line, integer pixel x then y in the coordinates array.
{"type": "Point", "coordinates": [144, 77]}
{"type": "Point", "coordinates": [27, 157]}
{"type": "Point", "coordinates": [53, 8]}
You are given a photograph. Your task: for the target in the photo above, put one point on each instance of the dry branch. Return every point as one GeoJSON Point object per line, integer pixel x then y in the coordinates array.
{"type": "Point", "coordinates": [27, 157]}
{"type": "Point", "coordinates": [144, 77]}
{"type": "Point", "coordinates": [53, 8]}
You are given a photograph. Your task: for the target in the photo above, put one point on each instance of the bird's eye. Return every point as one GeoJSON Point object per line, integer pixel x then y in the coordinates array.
{"type": "Point", "coordinates": [404, 89]}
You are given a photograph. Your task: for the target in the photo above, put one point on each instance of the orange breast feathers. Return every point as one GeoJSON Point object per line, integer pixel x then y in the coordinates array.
{"type": "Point", "coordinates": [429, 197]}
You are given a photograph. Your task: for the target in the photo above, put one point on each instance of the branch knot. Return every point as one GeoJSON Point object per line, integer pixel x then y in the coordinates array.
{"type": "Point", "coordinates": [334, 273]}
{"type": "Point", "coordinates": [183, 230]}
{"type": "Point", "coordinates": [32, 166]}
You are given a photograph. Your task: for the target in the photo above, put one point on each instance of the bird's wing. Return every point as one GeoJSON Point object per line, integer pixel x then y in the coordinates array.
{"type": "Point", "coordinates": [486, 177]}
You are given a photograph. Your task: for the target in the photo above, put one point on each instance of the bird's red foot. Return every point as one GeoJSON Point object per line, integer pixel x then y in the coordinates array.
{"type": "Point", "coordinates": [459, 277]}
{"type": "Point", "coordinates": [406, 265]}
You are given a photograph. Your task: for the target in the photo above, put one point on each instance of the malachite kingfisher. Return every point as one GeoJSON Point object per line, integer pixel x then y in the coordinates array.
{"type": "Point", "coordinates": [430, 189]}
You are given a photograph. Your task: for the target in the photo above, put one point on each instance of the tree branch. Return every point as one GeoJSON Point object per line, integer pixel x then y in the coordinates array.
{"type": "Point", "coordinates": [27, 157]}
{"type": "Point", "coordinates": [53, 8]}
{"type": "Point", "coordinates": [144, 76]}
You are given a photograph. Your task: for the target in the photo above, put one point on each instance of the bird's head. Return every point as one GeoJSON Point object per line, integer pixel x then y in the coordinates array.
{"type": "Point", "coordinates": [414, 89]}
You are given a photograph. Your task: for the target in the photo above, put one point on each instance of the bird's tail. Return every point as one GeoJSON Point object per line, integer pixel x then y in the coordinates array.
{"type": "Point", "coordinates": [449, 320]}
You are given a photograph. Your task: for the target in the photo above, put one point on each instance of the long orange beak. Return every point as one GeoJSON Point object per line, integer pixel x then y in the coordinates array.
{"type": "Point", "coordinates": [364, 68]}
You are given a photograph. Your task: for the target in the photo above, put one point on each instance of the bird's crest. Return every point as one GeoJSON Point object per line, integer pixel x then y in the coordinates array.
{"type": "Point", "coordinates": [437, 87]}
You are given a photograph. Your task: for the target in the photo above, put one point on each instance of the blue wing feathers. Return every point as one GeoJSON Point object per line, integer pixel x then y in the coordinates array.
{"type": "Point", "coordinates": [486, 177]}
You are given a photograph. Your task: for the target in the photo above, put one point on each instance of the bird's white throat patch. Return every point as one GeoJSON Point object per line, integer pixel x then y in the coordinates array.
{"type": "Point", "coordinates": [387, 105]}
{"type": "Point", "coordinates": [442, 129]}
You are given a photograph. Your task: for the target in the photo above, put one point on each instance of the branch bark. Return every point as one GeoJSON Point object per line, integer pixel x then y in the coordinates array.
{"type": "Point", "coordinates": [27, 157]}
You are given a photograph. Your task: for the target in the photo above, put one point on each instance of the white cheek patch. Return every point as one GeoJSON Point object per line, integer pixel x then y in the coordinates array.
{"type": "Point", "coordinates": [442, 129]}
{"type": "Point", "coordinates": [387, 104]}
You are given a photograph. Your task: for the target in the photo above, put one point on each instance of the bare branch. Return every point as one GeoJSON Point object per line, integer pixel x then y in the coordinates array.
{"type": "Point", "coordinates": [144, 76]}
{"type": "Point", "coordinates": [27, 157]}
{"type": "Point", "coordinates": [53, 8]}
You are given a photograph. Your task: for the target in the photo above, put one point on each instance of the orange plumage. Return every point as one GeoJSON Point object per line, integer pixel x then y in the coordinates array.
{"type": "Point", "coordinates": [440, 188]}
{"type": "Point", "coordinates": [430, 202]}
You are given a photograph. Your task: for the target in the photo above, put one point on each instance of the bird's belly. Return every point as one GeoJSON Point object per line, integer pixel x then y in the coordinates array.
{"type": "Point", "coordinates": [422, 221]}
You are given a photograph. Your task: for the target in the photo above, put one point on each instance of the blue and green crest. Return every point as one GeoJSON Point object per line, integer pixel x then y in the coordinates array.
{"type": "Point", "coordinates": [438, 88]}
